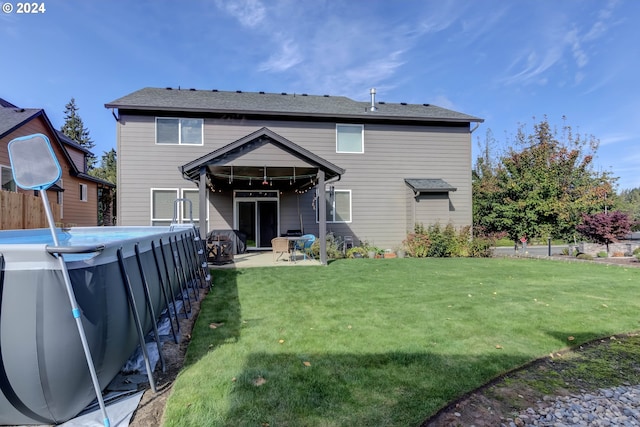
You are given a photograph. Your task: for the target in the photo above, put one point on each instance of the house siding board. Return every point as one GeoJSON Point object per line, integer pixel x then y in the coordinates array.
{"type": "Point", "coordinates": [380, 213]}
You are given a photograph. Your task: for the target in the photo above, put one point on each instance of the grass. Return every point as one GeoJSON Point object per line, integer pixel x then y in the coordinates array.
{"type": "Point", "coordinates": [383, 342]}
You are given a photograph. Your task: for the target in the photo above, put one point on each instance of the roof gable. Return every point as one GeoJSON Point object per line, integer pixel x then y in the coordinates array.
{"type": "Point", "coordinates": [251, 142]}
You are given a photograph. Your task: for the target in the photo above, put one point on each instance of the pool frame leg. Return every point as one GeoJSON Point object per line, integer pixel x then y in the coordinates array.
{"type": "Point", "coordinates": [136, 318]}
{"type": "Point", "coordinates": [186, 308]}
{"type": "Point", "coordinates": [147, 297]}
{"type": "Point", "coordinates": [182, 278]}
{"type": "Point", "coordinates": [165, 296]}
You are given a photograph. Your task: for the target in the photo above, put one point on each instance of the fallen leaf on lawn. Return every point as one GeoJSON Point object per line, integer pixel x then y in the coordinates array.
{"type": "Point", "coordinates": [349, 327]}
{"type": "Point", "coordinates": [469, 295]}
{"type": "Point", "coordinates": [605, 305]}
{"type": "Point", "coordinates": [259, 381]}
{"type": "Point", "coordinates": [265, 424]}
{"type": "Point", "coordinates": [281, 341]}
{"type": "Point", "coordinates": [571, 338]}
{"type": "Point", "coordinates": [234, 379]}
{"type": "Point", "coordinates": [498, 346]}
{"type": "Point", "coordinates": [215, 325]}
{"type": "Point", "coordinates": [305, 363]}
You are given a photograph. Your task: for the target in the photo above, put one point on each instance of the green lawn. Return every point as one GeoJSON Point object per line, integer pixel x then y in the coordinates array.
{"type": "Point", "coordinates": [384, 342]}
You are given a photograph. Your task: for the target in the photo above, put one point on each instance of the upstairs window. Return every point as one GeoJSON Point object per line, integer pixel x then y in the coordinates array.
{"type": "Point", "coordinates": [349, 139]}
{"type": "Point", "coordinates": [8, 184]}
{"type": "Point", "coordinates": [179, 131]}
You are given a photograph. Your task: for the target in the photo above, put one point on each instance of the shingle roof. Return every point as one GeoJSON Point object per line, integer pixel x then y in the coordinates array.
{"type": "Point", "coordinates": [11, 117]}
{"type": "Point", "coordinates": [212, 101]}
{"type": "Point", "coordinates": [429, 185]}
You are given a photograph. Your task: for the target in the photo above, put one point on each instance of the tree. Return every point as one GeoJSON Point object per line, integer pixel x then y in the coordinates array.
{"type": "Point", "coordinates": [541, 186]}
{"type": "Point", "coordinates": [630, 204]}
{"type": "Point", "coordinates": [605, 228]}
{"type": "Point", "coordinates": [108, 168]}
{"type": "Point", "coordinates": [74, 128]}
{"type": "Point", "coordinates": [108, 171]}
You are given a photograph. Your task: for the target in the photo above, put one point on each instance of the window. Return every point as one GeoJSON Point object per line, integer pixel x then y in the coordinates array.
{"type": "Point", "coordinates": [84, 193]}
{"type": "Point", "coordinates": [194, 196]}
{"type": "Point", "coordinates": [338, 206]}
{"type": "Point", "coordinates": [8, 183]}
{"type": "Point", "coordinates": [179, 131]}
{"type": "Point", "coordinates": [349, 139]}
{"type": "Point", "coordinates": [162, 205]}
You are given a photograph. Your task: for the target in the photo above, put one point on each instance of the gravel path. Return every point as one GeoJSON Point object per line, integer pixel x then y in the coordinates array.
{"type": "Point", "coordinates": [619, 406]}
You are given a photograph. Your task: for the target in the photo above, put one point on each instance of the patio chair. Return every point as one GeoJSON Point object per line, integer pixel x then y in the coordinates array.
{"type": "Point", "coordinates": [280, 245]}
{"type": "Point", "coordinates": [304, 245]}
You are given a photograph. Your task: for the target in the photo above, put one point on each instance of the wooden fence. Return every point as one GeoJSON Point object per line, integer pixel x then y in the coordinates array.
{"type": "Point", "coordinates": [23, 210]}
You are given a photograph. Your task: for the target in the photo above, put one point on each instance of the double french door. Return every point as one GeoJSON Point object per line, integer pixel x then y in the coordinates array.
{"type": "Point", "coordinates": [256, 215]}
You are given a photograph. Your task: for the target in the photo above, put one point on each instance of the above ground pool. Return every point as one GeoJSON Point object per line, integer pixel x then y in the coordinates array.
{"type": "Point", "coordinates": [122, 277]}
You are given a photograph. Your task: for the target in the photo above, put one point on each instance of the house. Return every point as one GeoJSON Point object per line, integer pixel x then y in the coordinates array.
{"type": "Point", "coordinates": [77, 193]}
{"type": "Point", "coordinates": [254, 161]}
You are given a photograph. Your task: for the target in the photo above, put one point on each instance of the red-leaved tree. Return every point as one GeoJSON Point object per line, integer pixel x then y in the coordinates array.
{"type": "Point", "coordinates": [605, 228]}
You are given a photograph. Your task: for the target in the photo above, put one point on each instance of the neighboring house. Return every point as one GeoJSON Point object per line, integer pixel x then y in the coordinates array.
{"type": "Point", "coordinates": [76, 194]}
{"type": "Point", "coordinates": [260, 157]}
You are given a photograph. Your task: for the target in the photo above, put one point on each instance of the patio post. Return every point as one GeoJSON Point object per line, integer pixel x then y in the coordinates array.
{"type": "Point", "coordinates": [202, 198]}
{"type": "Point", "coordinates": [322, 217]}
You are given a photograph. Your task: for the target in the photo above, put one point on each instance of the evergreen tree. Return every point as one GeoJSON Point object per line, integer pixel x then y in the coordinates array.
{"type": "Point", "coordinates": [108, 172]}
{"type": "Point", "coordinates": [108, 169]}
{"type": "Point", "coordinates": [74, 128]}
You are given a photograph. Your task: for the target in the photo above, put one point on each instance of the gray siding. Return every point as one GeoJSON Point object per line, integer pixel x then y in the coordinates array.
{"type": "Point", "coordinates": [380, 211]}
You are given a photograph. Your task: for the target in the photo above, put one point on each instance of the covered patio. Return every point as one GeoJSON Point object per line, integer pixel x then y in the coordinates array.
{"type": "Point", "coordinates": [247, 180]}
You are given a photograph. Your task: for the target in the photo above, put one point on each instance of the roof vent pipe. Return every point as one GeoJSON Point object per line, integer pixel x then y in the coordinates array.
{"type": "Point", "coordinates": [373, 99]}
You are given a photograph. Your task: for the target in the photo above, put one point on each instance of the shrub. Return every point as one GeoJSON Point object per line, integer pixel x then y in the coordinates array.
{"type": "Point", "coordinates": [585, 257]}
{"type": "Point", "coordinates": [618, 254]}
{"type": "Point", "coordinates": [565, 251]}
{"type": "Point", "coordinates": [357, 252]}
{"type": "Point", "coordinates": [481, 247]}
{"type": "Point", "coordinates": [438, 241]}
{"type": "Point", "coordinates": [602, 254]}
{"type": "Point", "coordinates": [418, 242]}
{"type": "Point", "coordinates": [636, 251]}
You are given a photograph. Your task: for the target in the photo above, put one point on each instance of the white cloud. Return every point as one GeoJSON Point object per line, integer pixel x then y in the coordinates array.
{"type": "Point", "coordinates": [531, 65]}
{"type": "Point", "coordinates": [288, 55]}
{"type": "Point", "coordinates": [249, 13]}
{"type": "Point", "coordinates": [615, 138]}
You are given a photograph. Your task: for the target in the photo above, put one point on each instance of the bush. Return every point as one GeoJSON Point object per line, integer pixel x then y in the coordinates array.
{"type": "Point", "coordinates": [602, 254]}
{"type": "Point", "coordinates": [357, 252]}
{"type": "Point", "coordinates": [418, 243]}
{"type": "Point", "coordinates": [438, 241]}
{"type": "Point", "coordinates": [481, 247]}
{"type": "Point", "coordinates": [617, 254]}
{"type": "Point", "coordinates": [585, 257]}
{"type": "Point", "coordinates": [636, 251]}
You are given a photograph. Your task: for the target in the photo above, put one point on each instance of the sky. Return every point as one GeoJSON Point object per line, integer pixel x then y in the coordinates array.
{"type": "Point", "coordinates": [511, 63]}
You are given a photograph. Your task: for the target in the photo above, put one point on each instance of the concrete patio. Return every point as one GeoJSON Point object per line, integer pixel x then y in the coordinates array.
{"type": "Point", "coordinates": [265, 259]}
